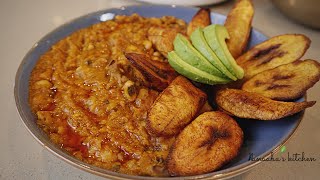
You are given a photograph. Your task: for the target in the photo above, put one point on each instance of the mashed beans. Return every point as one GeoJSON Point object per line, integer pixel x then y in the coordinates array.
{"type": "Point", "coordinates": [87, 100]}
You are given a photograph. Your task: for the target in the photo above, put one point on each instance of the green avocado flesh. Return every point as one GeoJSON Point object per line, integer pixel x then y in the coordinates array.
{"type": "Point", "coordinates": [191, 56]}
{"type": "Point", "coordinates": [199, 42]}
{"type": "Point", "coordinates": [192, 72]}
{"type": "Point", "coordinates": [215, 35]}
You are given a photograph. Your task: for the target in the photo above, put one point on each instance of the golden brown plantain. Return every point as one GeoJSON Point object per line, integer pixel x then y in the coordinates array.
{"type": "Point", "coordinates": [238, 24]}
{"type": "Point", "coordinates": [272, 53]}
{"type": "Point", "coordinates": [210, 141]}
{"type": "Point", "coordinates": [250, 105]}
{"type": "Point", "coordinates": [200, 19]}
{"type": "Point", "coordinates": [175, 108]}
{"type": "Point", "coordinates": [285, 82]}
{"type": "Point", "coordinates": [205, 108]}
{"type": "Point", "coordinates": [157, 75]}
{"type": "Point", "coordinates": [162, 39]}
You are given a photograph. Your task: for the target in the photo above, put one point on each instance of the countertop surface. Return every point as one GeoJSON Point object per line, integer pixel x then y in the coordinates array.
{"type": "Point", "coordinates": [23, 23]}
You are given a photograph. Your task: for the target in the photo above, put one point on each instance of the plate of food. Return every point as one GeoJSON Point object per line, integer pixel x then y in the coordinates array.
{"type": "Point", "coordinates": [159, 91]}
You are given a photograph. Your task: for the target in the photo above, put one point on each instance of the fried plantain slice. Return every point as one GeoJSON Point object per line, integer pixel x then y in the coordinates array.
{"type": "Point", "coordinates": [200, 19]}
{"type": "Point", "coordinates": [205, 108]}
{"type": "Point", "coordinates": [250, 105]}
{"type": "Point", "coordinates": [175, 108]}
{"type": "Point", "coordinates": [285, 82]}
{"type": "Point", "coordinates": [238, 24]}
{"type": "Point", "coordinates": [210, 141]}
{"type": "Point", "coordinates": [272, 53]}
{"type": "Point", "coordinates": [157, 75]}
{"type": "Point", "coordinates": [162, 39]}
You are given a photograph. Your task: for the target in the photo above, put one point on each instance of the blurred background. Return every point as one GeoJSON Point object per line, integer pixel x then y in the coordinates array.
{"type": "Point", "coordinates": [23, 23]}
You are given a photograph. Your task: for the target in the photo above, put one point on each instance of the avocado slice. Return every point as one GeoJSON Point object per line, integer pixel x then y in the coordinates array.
{"type": "Point", "coordinates": [199, 42]}
{"type": "Point", "coordinates": [215, 36]}
{"type": "Point", "coordinates": [193, 73]}
{"type": "Point", "coordinates": [190, 55]}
